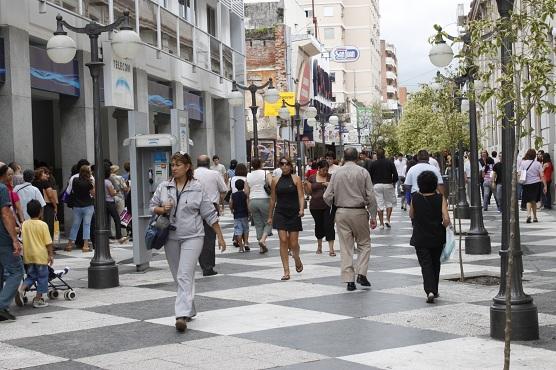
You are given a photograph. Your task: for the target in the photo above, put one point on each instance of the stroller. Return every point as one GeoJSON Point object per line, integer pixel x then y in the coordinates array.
{"type": "Point", "coordinates": [55, 285]}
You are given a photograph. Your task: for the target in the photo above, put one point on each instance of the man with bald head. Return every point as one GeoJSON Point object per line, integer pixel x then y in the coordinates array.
{"type": "Point", "coordinates": [215, 187]}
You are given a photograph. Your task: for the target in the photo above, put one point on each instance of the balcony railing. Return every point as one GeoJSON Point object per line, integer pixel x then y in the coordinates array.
{"type": "Point", "coordinates": [391, 75]}
{"type": "Point", "coordinates": [391, 62]}
{"type": "Point", "coordinates": [167, 32]}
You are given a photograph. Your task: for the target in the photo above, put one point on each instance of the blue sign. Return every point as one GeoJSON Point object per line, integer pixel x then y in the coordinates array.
{"type": "Point", "coordinates": [345, 54]}
{"type": "Point", "coordinates": [49, 76]}
{"type": "Point", "coordinates": [2, 63]}
{"type": "Point", "coordinates": [160, 96]}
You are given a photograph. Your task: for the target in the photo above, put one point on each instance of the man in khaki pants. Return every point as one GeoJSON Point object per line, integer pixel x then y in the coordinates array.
{"type": "Point", "coordinates": [351, 191]}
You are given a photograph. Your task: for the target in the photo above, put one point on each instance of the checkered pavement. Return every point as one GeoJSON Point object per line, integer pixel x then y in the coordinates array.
{"type": "Point", "coordinates": [249, 319]}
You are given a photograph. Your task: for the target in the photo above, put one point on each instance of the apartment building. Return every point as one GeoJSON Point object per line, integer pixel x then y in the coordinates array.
{"type": "Point", "coordinates": [389, 80]}
{"type": "Point", "coordinates": [191, 52]}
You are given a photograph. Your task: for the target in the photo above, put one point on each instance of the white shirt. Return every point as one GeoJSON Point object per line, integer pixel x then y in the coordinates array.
{"type": "Point", "coordinates": [400, 165]}
{"type": "Point", "coordinates": [434, 162]}
{"type": "Point", "coordinates": [219, 168]}
{"type": "Point", "coordinates": [415, 171]}
{"type": "Point", "coordinates": [213, 183]}
{"type": "Point", "coordinates": [26, 193]}
{"type": "Point", "coordinates": [233, 182]}
{"type": "Point", "coordinates": [256, 181]}
{"type": "Point", "coordinates": [467, 168]}
{"type": "Point", "coordinates": [277, 172]}
{"type": "Point", "coordinates": [333, 168]}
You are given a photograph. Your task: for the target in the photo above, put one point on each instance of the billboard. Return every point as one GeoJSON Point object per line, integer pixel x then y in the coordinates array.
{"type": "Point", "coordinates": [49, 76]}
{"type": "Point", "coordinates": [271, 110]}
{"type": "Point", "coordinates": [345, 54]}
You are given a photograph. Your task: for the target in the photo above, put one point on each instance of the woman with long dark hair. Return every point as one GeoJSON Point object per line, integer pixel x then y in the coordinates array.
{"type": "Point", "coordinates": [186, 204]}
{"type": "Point", "coordinates": [548, 169]}
{"type": "Point", "coordinates": [285, 213]}
{"type": "Point", "coordinates": [83, 207]}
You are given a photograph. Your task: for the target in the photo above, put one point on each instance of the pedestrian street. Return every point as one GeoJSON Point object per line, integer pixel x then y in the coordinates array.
{"type": "Point", "coordinates": [249, 319]}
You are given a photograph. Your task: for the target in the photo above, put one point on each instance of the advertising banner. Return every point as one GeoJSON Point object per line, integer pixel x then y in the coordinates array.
{"type": "Point", "coordinates": [271, 110]}
{"type": "Point", "coordinates": [118, 83]}
{"type": "Point", "coordinates": [49, 76]}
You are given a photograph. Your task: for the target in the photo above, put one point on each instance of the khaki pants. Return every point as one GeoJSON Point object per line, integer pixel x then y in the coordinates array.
{"type": "Point", "coordinates": [353, 227]}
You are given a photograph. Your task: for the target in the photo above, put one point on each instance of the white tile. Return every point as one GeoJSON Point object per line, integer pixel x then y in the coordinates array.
{"type": "Point", "coordinates": [246, 319]}
{"type": "Point", "coordinates": [450, 269]}
{"type": "Point", "coordinates": [457, 354]}
{"type": "Point", "coordinates": [71, 263]}
{"type": "Point", "coordinates": [58, 322]}
{"type": "Point", "coordinates": [276, 292]}
{"type": "Point", "coordinates": [16, 357]}
{"type": "Point", "coordinates": [150, 276]}
{"type": "Point", "coordinates": [87, 298]}
{"type": "Point", "coordinates": [309, 272]}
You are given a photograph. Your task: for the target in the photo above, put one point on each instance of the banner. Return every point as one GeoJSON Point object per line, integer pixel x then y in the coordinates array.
{"type": "Point", "coordinates": [118, 83]}
{"type": "Point", "coordinates": [271, 110]}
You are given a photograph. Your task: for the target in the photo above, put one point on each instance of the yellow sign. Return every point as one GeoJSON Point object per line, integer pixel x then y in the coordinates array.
{"type": "Point", "coordinates": [271, 110]}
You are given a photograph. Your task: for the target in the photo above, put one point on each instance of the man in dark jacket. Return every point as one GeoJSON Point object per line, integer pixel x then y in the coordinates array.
{"type": "Point", "coordinates": [384, 177]}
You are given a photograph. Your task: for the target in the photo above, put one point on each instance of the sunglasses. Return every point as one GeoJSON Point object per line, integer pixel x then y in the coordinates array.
{"type": "Point", "coordinates": [284, 164]}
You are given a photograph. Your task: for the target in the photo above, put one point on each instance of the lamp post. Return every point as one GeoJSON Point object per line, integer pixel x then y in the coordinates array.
{"type": "Point", "coordinates": [525, 322]}
{"type": "Point", "coordinates": [236, 99]}
{"type": "Point", "coordinates": [103, 272]}
{"type": "Point", "coordinates": [477, 240]}
{"type": "Point", "coordinates": [284, 113]}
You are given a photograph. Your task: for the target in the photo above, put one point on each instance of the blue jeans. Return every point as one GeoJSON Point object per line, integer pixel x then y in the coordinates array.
{"type": "Point", "coordinates": [80, 214]}
{"type": "Point", "coordinates": [13, 271]}
{"type": "Point", "coordinates": [487, 192]}
{"type": "Point", "coordinates": [37, 274]}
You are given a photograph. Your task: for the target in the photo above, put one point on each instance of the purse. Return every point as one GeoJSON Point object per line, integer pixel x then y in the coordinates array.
{"type": "Point", "coordinates": [156, 236]}
{"type": "Point", "coordinates": [523, 174]}
{"type": "Point", "coordinates": [267, 188]}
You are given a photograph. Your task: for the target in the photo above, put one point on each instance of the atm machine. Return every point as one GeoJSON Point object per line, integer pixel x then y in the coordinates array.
{"type": "Point", "coordinates": [150, 165]}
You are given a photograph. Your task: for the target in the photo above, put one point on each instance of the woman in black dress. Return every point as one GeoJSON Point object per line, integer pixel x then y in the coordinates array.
{"type": "Point", "coordinates": [430, 217]}
{"type": "Point", "coordinates": [286, 205]}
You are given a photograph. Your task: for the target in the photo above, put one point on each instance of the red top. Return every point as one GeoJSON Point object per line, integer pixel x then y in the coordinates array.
{"type": "Point", "coordinates": [548, 172]}
{"type": "Point", "coordinates": [310, 173]}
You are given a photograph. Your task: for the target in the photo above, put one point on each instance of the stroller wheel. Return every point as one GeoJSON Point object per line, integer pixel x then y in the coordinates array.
{"type": "Point", "coordinates": [70, 295]}
{"type": "Point", "coordinates": [53, 294]}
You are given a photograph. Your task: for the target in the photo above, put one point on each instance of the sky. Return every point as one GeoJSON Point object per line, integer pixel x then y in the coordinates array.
{"type": "Point", "coordinates": [408, 24]}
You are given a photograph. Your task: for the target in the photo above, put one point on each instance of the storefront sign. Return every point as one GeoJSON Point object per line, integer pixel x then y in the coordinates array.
{"type": "Point", "coordinates": [345, 54]}
{"type": "Point", "coordinates": [305, 86]}
{"type": "Point", "coordinates": [118, 83]}
{"type": "Point", "coordinates": [2, 63]}
{"type": "Point", "coordinates": [160, 96]}
{"type": "Point", "coordinates": [49, 76]}
{"type": "Point", "coordinates": [271, 110]}
{"type": "Point", "coordinates": [193, 104]}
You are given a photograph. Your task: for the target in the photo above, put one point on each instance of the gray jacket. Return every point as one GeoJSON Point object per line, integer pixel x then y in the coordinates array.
{"type": "Point", "coordinates": [194, 207]}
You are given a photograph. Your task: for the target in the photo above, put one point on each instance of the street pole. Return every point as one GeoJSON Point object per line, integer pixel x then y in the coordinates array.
{"type": "Point", "coordinates": [298, 159]}
{"type": "Point", "coordinates": [524, 315]}
{"type": "Point", "coordinates": [462, 210]}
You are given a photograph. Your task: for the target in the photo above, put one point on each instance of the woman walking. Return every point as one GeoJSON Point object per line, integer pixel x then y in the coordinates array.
{"type": "Point", "coordinates": [187, 205]}
{"type": "Point", "coordinates": [82, 192]}
{"type": "Point", "coordinates": [321, 212]}
{"type": "Point", "coordinates": [285, 213]}
{"type": "Point", "coordinates": [259, 202]}
{"type": "Point", "coordinates": [111, 210]}
{"type": "Point", "coordinates": [429, 216]}
{"type": "Point", "coordinates": [534, 183]}
{"type": "Point", "coordinates": [548, 169]}
{"type": "Point", "coordinates": [43, 183]}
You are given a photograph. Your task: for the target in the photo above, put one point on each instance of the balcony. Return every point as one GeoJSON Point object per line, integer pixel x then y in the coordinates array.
{"type": "Point", "coordinates": [391, 89]}
{"type": "Point", "coordinates": [391, 75]}
{"type": "Point", "coordinates": [391, 62]}
{"type": "Point", "coordinates": [392, 104]}
{"type": "Point", "coordinates": [390, 49]}
{"type": "Point", "coordinates": [166, 32]}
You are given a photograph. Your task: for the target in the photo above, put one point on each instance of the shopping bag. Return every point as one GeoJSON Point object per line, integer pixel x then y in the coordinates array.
{"type": "Point", "coordinates": [56, 231]}
{"type": "Point", "coordinates": [449, 246]}
{"type": "Point", "coordinates": [125, 218]}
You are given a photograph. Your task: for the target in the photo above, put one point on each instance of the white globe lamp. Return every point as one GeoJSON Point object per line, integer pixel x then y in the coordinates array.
{"type": "Point", "coordinates": [311, 122]}
{"type": "Point", "coordinates": [284, 113]}
{"type": "Point", "coordinates": [236, 98]}
{"type": "Point", "coordinates": [271, 95]}
{"type": "Point", "coordinates": [61, 48]}
{"type": "Point", "coordinates": [311, 112]}
{"type": "Point", "coordinates": [441, 54]}
{"type": "Point", "coordinates": [333, 120]}
{"type": "Point", "coordinates": [126, 43]}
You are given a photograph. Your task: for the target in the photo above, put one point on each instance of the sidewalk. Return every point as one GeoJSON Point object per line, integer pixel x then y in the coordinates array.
{"type": "Point", "coordinates": [249, 319]}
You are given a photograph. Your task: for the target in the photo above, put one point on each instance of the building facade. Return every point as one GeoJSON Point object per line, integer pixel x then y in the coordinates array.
{"type": "Point", "coordinates": [389, 80]}
{"type": "Point", "coordinates": [190, 53]}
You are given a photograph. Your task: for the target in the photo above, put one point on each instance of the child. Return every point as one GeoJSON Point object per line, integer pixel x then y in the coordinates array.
{"type": "Point", "coordinates": [239, 207]}
{"type": "Point", "coordinates": [37, 254]}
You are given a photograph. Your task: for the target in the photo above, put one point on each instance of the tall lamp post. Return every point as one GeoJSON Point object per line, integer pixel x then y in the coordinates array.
{"type": "Point", "coordinates": [323, 118]}
{"type": "Point", "coordinates": [477, 240]}
{"type": "Point", "coordinates": [310, 113]}
{"type": "Point", "coordinates": [237, 99]}
{"type": "Point", "coordinates": [103, 272]}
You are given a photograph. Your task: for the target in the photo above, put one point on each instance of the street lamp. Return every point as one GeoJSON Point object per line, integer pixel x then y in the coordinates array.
{"type": "Point", "coordinates": [236, 99]}
{"type": "Point", "coordinates": [477, 240]}
{"type": "Point", "coordinates": [284, 113]}
{"type": "Point", "coordinates": [103, 272]}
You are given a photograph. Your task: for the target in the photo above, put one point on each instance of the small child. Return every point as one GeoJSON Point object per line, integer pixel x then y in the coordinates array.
{"type": "Point", "coordinates": [239, 205]}
{"type": "Point", "coordinates": [37, 254]}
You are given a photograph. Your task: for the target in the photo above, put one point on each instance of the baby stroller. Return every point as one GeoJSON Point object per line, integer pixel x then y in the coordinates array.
{"type": "Point", "coordinates": [55, 285]}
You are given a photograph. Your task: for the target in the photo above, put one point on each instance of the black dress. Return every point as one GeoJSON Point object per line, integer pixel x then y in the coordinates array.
{"type": "Point", "coordinates": [286, 213]}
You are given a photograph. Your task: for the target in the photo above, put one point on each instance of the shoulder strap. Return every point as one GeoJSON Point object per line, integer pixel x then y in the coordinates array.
{"type": "Point", "coordinates": [530, 164]}
{"type": "Point", "coordinates": [21, 188]}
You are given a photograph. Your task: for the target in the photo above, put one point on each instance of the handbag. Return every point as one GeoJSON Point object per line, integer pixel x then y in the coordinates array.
{"type": "Point", "coordinates": [523, 174]}
{"type": "Point", "coordinates": [449, 246]}
{"type": "Point", "coordinates": [156, 237]}
{"type": "Point", "coordinates": [56, 238]}
{"type": "Point", "coordinates": [267, 188]}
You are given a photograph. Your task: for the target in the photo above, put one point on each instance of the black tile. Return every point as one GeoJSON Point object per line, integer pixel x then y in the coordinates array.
{"type": "Point", "coordinates": [221, 282]}
{"type": "Point", "coordinates": [546, 302]}
{"type": "Point", "coordinates": [346, 337]}
{"type": "Point", "coordinates": [115, 338]}
{"type": "Point", "coordinates": [547, 339]}
{"type": "Point", "coordinates": [379, 280]}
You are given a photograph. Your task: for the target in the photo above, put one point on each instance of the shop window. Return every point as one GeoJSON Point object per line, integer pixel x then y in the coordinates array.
{"type": "Point", "coordinates": [211, 20]}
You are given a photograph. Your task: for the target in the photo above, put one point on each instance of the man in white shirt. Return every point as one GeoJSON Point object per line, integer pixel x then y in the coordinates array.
{"type": "Point", "coordinates": [434, 162]}
{"type": "Point", "coordinates": [215, 187]}
{"type": "Point", "coordinates": [218, 167]}
{"type": "Point", "coordinates": [330, 157]}
{"type": "Point", "coordinates": [400, 162]}
{"type": "Point", "coordinates": [422, 166]}
{"type": "Point", "coordinates": [28, 192]}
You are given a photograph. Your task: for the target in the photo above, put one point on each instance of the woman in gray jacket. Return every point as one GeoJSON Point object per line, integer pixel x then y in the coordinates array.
{"type": "Point", "coordinates": [187, 205]}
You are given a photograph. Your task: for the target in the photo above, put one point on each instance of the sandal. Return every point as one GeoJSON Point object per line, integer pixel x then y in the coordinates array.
{"type": "Point", "coordinates": [300, 268]}
{"type": "Point", "coordinates": [319, 251]}
{"type": "Point", "coordinates": [332, 254]}
{"type": "Point", "coordinates": [285, 277]}
{"type": "Point", "coordinates": [263, 248]}
{"type": "Point", "coordinates": [68, 248]}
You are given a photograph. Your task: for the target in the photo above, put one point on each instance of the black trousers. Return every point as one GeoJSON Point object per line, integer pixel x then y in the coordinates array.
{"type": "Point", "coordinates": [324, 224]}
{"type": "Point", "coordinates": [48, 216]}
{"type": "Point", "coordinates": [111, 211]}
{"type": "Point", "coordinates": [429, 259]}
{"type": "Point", "coordinates": [207, 259]}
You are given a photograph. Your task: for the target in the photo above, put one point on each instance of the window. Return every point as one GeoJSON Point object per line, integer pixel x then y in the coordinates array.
{"type": "Point", "coordinates": [186, 41]}
{"type": "Point", "coordinates": [328, 11]}
{"type": "Point", "coordinates": [96, 10]}
{"type": "Point", "coordinates": [148, 22]}
{"type": "Point", "coordinates": [185, 10]}
{"type": "Point", "coordinates": [309, 13]}
{"type": "Point", "coordinates": [211, 20]}
{"type": "Point", "coordinates": [329, 33]}
{"type": "Point", "coordinates": [169, 32]}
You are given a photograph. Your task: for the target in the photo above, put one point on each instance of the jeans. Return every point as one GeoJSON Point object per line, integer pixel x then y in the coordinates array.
{"type": "Point", "coordinates": [37, 274]}
{"type": "Point", "coordinates": [111, 211]}
{"type": "Point", "coordinates": [13, 269]}
{"type": "Point", "coordinates": [82, 214]}
{"type": "Point", "coordinates": [547, 198]}
{"type": "Point", "coordinates": [487, 192]}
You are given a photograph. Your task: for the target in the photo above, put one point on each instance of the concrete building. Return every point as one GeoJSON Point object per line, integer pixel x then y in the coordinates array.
{"type": "Point", "coordinates": [191, 52]}
{"type": "Point", "coordinates": [389, 80]}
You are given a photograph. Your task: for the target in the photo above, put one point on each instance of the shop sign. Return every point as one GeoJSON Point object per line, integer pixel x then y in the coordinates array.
{"type": "Point", "coordinates": [271, 110]}
{"type": "Point", "coordinates": [345, 54]}
{"type": "Point", "coordinates": [118, 83]}
{"type": "Point", "coordinates": [305, 86]}
{"type": "Point", "coordinates": [160, 96]}
{"type": "Point", "coordinates": [2, 63]}
{"type": "Point", "coordinates": [49, 76]}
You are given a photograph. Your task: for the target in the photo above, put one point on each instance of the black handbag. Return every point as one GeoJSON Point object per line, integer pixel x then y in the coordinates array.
{"type": "Point", "coordinates": [267, 188]}
{"type": "Point", "coordinates": [157, 232]}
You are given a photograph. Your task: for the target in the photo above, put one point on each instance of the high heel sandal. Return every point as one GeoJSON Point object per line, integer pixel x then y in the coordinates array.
{"type": "Point", "coordinates": [285, 277]}
{"type": "Point", "coordinates": [332, 254]}
{"type": "Point", "coordinates": [263, 248]}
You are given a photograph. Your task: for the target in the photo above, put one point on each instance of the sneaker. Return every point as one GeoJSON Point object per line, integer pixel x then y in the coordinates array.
{"type": "Point", "coordinates": [39, 303]}
{"type": "Point", "coordinates": [5, 315]}
{"type": "Point", "coordinates": [430, 298]}
{"type": "Point", "coordinates": [19, 297]}
{"type": "Point", "coordinates": [381, 227]}
{"type": "Point", "coordinates": [181, 324]}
